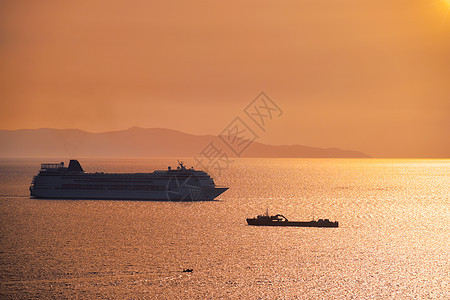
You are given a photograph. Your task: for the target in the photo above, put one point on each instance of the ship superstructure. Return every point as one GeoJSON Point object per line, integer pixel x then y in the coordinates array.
{"type": "Point", "coordinates": [55, 181]}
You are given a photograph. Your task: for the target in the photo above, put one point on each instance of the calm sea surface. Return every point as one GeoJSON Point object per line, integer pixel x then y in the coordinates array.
{"type": "Point", "coordinates": [392, 243]}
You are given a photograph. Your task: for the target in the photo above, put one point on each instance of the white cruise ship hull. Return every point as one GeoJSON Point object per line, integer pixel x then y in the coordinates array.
{"type": "Point", "coordinates": [54, 181]}
{"type": "Point", "coordinates": [187, 195]}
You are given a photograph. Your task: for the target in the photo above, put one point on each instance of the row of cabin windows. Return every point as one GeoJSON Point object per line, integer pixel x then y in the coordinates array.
{"type": "Point", "coordinates": [113, 187]}
{"type": "Point", "coordinates": [118, 177]}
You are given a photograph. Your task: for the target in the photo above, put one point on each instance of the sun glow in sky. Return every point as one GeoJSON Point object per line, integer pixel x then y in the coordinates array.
{"type": "Point", "coordinates": [448, 7]}
{"type": "Point", "coordinates": [363, 75]}
{"type": "Point", "coordinates": [445, 3]}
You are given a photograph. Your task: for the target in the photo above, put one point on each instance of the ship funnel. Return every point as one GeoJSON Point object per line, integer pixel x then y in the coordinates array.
{"type": "Point", "coordinates": [74, 165]}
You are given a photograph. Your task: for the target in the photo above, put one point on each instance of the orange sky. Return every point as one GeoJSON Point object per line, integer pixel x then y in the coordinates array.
{"type": "Point", "coordinates": [370, 75]}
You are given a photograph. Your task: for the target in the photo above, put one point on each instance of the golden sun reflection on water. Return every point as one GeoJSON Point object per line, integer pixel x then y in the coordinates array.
{"type": "Point", "coordinates": [392, 241]}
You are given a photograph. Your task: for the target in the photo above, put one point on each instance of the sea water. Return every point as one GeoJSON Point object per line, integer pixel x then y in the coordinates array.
{"type": "Point", "coordinates": [392, 241]}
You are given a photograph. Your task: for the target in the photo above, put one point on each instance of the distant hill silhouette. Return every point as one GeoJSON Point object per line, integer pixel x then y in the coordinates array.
{"type": "Point", "coordinates": [138, 142]}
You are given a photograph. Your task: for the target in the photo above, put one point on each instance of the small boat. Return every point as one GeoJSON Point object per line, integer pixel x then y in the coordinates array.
{"type": "Point", "coordinates": [188, 270]}
{"type": "Point", "coordinates": [280, 220]}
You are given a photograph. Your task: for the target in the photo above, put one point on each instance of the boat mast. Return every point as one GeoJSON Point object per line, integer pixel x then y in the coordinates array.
{"type": "Point", "coordinates": [314, 212]}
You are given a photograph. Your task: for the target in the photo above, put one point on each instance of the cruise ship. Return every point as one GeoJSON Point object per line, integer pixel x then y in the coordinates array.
{"type": "Point", "coordinates": [55, 181]}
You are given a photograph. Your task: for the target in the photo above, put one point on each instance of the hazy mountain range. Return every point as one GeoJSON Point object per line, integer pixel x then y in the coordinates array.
{"type": "Point", "coordinates": [139, 142]}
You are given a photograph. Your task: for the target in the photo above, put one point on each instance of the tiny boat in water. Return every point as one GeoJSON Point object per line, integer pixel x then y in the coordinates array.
{"type": "Point", "coordinates": [280, 220]}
